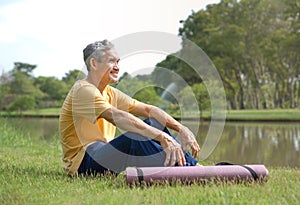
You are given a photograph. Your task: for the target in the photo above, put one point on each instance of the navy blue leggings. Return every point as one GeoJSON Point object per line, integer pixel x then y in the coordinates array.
{"type": "Point", "coordinates": [129, 149]}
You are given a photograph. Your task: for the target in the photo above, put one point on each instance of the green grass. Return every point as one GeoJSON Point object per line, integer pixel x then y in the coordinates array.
{"type": "Point", "coordinates": [36, 112]}
{"type": "Point", "coordinates": [279, 114]}
{"type": "Point", "coordinates": [256, 115]}
{"type": "Point", "coordinates": [31, 173]}
{"type": "Point", "coordinates": [238, 115]}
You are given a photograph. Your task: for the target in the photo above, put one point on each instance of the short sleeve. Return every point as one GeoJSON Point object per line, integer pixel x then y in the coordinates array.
{"type": "Point", "coordinates": [88, 102]}
{"type": "Point", "coordinates": [124, 102]}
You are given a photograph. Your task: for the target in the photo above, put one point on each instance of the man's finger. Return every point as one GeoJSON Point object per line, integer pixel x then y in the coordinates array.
{"type": "Point", "coordinates": [168, 155]}
{"type": "Point", "coordinates": [173, 157]}
{"type": "Point", "coordinates": [183, 157]}
{"type": "Point", "coordinates": [195, 153]}
{"type": "Point", "coordinates": [179, 158]}
{"type": "Point", "coordinates": [195, 149]}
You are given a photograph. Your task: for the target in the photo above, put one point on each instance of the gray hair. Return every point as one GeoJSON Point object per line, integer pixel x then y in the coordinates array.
{"type": "Point", "coordinates": [96, 50]}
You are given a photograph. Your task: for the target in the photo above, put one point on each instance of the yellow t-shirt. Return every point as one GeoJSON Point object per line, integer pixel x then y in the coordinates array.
{"type": "Point", "coordinates": [79, 121]}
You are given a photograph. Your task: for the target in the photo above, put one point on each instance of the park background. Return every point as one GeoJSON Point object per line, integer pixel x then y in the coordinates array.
{"type": "Point", "coordinates": [253, 44]}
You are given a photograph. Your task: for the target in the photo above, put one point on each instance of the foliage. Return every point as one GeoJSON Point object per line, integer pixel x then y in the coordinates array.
{"type": "Point", "coordinates": [24, 68]}
{"type": "Point", "coordinates": [54, 90]}
{"type": "Point", "coordinates": [253, 45]}
{"type": "Point", "coordinates": [22, 102]}
{"type": "Point", "coordinates": [21, 81]}
{"type": "Point", "coordinates": [188, 100]}
{"type": "Point", "coordinates": [72, 76]}
{"type": "Point", "coordinates": [140, 90]}
{"type": "Point", "coordinates": [163, 73]}
{"type": "Point", "coordinates": [20, 90]}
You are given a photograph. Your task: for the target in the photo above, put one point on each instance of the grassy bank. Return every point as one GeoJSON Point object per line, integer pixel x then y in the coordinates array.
{"type": "Point", "coordinates": [31, 173]}
{"type": "Point", "coordinates": [259, 115]}
{"type": "Point", "coordinates": [49, 112]}
{"type": "Point", "coordinates": [264, 115]}
{"type": "Point", "coordinates": [231, 115]}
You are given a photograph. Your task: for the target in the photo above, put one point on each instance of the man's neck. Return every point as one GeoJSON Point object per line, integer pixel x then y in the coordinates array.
{"type": "Point", "coordinates": [95, 81]}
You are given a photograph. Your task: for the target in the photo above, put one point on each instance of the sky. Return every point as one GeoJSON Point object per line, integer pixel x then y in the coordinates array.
{"type": "Point", "coordinates": [52, 33]}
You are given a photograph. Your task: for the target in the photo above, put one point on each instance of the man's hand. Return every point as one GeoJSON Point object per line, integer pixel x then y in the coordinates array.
{"type": "Point", "coordinates": [188, 139]}
{"type": "Point", "coordinates": [173, 151]}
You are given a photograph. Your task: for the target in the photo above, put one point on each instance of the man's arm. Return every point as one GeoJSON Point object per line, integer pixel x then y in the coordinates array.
{"type": "Point", "coordinates": [165, 119]}
{"type": "Point", "coordinates": [129, 122]}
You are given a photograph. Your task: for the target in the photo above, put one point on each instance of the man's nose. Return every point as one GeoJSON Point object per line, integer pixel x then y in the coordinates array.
{"type": "Point", "coordinates": [116, 66]}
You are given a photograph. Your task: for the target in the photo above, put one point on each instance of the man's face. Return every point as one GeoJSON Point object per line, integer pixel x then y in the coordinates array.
{"type": "Point", "coordinates": [110, 66]}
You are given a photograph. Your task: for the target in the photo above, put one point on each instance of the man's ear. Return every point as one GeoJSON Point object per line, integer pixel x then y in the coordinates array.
{"type": "Point", "coordinates": [93, 63]}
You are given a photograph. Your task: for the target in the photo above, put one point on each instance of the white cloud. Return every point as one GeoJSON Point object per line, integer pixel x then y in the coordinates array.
{"type": "Point", "coordinates": [52, 33]}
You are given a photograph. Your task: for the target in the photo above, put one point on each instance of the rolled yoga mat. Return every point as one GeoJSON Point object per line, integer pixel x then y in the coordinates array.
{"type": "Point", "coordinates": [148, 175]}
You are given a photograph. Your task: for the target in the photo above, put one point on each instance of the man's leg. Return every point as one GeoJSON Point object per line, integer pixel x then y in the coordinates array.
{"type": "Point", "coordinates": [130, 149]}
{"type": "Point", "coordinates": [190, 160]}
{"type": "Point", "coordinates": [88, 165]}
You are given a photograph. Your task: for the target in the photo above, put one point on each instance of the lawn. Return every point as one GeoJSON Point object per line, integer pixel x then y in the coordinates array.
{"type": "Point", "coordinates": [231, 115]}
{"type": "Point", "coordinates": [264, 115]}
{"type": "Point", "coordinates": [47, 112]}
{"type": "Point", "coordinates": [31, 173]}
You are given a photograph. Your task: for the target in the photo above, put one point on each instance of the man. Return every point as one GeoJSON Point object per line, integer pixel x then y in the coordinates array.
{"type": "Point", "coordinates": [93, 109]}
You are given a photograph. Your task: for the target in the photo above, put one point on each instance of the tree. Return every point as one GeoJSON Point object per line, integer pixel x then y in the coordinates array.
{"type": "Point", "coordinates": [72, 76]}
{"type": "Point", "coordinates": [140, 90]}
{"type": "Point", "coordinates": [21, 87]}
{"type": "Point", "coordinates": [54, 90]}
{"type": "Point", "coordinates": [254, 45]}
{"type": "Point", "coordinates": [24, 68]}
{"type": "Point", "coordinates": [21, 80]}
{"type": "Point", "coordinates": [22, 102]}
{"type": "Point", "coordinates": [5, 97]}
{"type": "Point", "coordinates": [176, 65]}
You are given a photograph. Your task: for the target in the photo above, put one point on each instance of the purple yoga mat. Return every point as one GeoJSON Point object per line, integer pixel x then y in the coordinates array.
{"type": "Point", "coordinates": [222, 172]}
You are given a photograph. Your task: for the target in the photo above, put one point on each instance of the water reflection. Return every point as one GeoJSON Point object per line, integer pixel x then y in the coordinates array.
{"type": "Point", "coordinates": [272, 144]}
{"type": "Point", "coordinates": [37, 128]}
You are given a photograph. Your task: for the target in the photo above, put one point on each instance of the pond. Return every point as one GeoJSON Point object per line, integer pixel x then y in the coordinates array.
{"type": "Point", "coordinates": [272, 144]}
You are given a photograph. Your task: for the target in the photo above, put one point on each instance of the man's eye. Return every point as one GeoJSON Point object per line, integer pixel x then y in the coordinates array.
{"type": "Point", "coordinates": [113, 60]}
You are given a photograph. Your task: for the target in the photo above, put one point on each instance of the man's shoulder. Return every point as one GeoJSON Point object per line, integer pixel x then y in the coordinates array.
{"type": "Point", "coordinates": [83, 84]}
{"type": "Point", "coordinates": [84, 89]}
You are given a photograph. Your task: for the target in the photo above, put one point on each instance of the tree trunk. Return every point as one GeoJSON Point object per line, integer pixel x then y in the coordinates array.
{"type": "Point", "coordinates": [298, 93]}
{"type": "Point", "coordinates": [233, 102]}
{"type": "Point", "coordinates": [257, 100]}
{"type": "Point", "coordinates": [238, 76]}
{"type": "Point", "coordinates": [292, 93]}
{"type": "Point", "coordinates": [276, 96]}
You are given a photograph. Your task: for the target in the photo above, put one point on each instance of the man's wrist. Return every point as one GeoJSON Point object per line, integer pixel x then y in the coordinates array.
{"type": "Point", "coordinates": [181, 128]}
{"type": "Point", "coordinates": [160, 137]}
